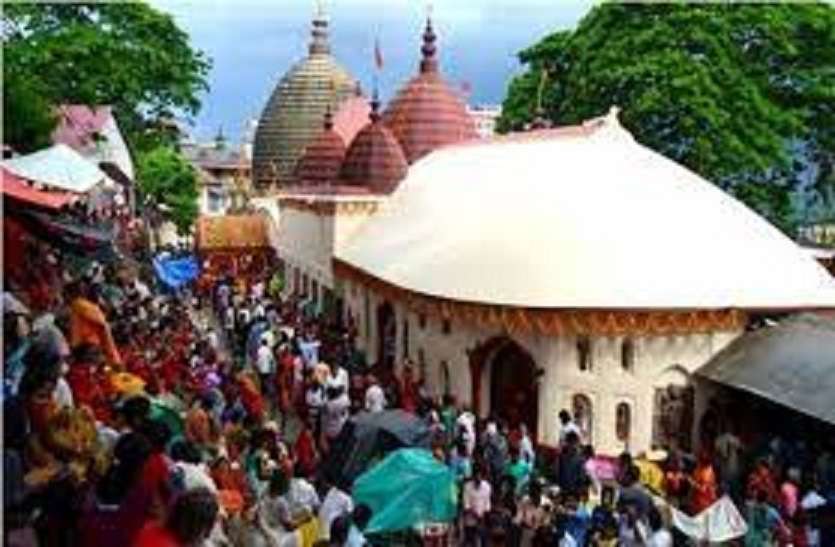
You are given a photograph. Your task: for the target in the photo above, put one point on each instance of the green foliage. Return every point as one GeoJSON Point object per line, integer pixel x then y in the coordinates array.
{"type": "Point", "coordinates": [743, 94]}
{"type": "Point", "coordinates": [169, 180]}
{"type": "Point", "coordinates": [128, 55]}
{"type": "Point", "coordinates": [28, 119]}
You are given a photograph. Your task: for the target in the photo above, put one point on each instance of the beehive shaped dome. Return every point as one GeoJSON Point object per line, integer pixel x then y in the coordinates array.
{"type": "Point", "coordinates": [374, 160]}
{"type": "Point", "coordinates": [426, 114]}
{"type": "Point", "coordinates": [322, 158]}
{"type": "Point", "coordinates": [293, 115]}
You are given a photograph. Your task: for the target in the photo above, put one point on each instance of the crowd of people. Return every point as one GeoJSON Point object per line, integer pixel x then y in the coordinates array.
{"type": "Point", "coordinates": [143, 418]}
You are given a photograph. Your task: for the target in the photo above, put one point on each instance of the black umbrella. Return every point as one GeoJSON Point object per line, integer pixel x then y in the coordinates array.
{"type": "Point", "coordinates": [368, 437]}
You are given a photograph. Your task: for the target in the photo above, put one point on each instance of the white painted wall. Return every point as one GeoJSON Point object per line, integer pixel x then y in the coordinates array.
{"type": "Point", "coordinates": [606, 384]}
{"type": "Point", "coordinates": [308, 240]}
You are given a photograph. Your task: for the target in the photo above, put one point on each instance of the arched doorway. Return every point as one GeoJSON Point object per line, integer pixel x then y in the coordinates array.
{"type": "Point", "coordinates": [514, 393]}
{"type": "Point", "coordinates": [386, 335]}
{"type": "Point", "coordinates": [673, 409]}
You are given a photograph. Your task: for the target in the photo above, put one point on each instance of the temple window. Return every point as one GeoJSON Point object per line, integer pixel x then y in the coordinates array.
{"type": "Point", "coordinates": [623, 421]}
{"type": "Point", "coordinates": [627, 355]}
{"type": "Point", "coordinates": [581, 408]}
{"type": "Point", "coordinates": [367, 314]}
{"type": "Point", "coordinates": [446, 326]}
{"type": "Point", "coordinates": [445, 378]}
{"type": "Point", "coordinates": [421, 361]}
{"type": "Point", "coordinates": [422, 321]}
{"type": "Point", "coordinates": [584, 354]}
{"type": "Point", "coordinates": [406, 337]}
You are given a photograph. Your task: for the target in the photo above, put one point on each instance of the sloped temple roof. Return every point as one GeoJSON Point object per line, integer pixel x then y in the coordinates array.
{"type": "Point", "coordinates": [580, 218]}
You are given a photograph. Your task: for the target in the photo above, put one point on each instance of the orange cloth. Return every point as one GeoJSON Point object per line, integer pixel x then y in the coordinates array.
{"type": "Point", "coordinates": [704, 488]}
{"type": "Point", "coordinates": [89, 325]}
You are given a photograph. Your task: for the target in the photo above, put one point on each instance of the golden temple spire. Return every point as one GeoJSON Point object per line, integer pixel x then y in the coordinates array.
{"type": "Point", "coordinates": [319, 33]}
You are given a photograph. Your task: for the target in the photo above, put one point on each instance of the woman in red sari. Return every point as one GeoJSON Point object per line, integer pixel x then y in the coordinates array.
{"type": "Point", "coordinates": [409, 390]}
{"type": "Point", "coordinates": [86, 386]}
{"type": "Point", "coordinates": [305, 451]}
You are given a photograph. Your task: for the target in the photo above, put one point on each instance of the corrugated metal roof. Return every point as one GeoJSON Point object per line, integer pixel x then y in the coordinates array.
{"type": "Point", "coordinates": [231, 232]}
{"type": "Point", "coordinates": [792, 363]}
{"type": "Point", "coordinates": [16, 187]}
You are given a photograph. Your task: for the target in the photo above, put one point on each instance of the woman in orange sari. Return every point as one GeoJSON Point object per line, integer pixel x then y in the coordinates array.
{"type": "Point", "coordinates": [704, 492]}
{"type": "Point", "coordinates": [89, 325]}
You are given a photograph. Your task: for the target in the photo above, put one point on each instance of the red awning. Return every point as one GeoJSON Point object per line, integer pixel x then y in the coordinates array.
{"type": "Point", "coordinates": [17, 188]}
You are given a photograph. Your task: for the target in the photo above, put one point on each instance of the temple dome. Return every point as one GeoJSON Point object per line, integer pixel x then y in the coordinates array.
{"type": "Point", "coordinates": [293, 115]}
{"type": "Point", "coordinates": [374, 160]}
{"type": "Point", "coordinates": [580, 218]}
{"type": "Point", "coordinates": [322, 158]}
{"type": "Point", "coordinates": [426, 114]}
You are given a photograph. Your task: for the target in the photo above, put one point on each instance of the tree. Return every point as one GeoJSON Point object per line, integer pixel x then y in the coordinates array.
{"type": "Point", "coordinates": [128, 55]}
{"type": "Point", "coordinates": [743, 94]}
{"type": "Point", "coordinates": [170, 182]}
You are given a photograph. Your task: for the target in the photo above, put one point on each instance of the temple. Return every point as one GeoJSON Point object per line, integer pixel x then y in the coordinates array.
{"type": "Point", "coordinates": [293, 115]}
{"type": "Point", "coordinates": [557, 268]}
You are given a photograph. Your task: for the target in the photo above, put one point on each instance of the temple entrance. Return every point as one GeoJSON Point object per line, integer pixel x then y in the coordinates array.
{"type": "Point", "coordinates": [386, 335]}
{"type": "Point", "coordinates": [673, 410]}
{"type": "Point", "coordinates": [514, 394]}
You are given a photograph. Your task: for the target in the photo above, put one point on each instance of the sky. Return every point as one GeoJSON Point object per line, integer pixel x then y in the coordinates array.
{"type": "Point", "coordinates": [253, 42]}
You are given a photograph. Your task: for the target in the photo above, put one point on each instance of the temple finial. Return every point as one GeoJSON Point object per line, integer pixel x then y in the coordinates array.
{"type": "Point", "coordinates": [428, 63]}
{"type": "Point", "coordinates": [319, 32]}
{"type": "Point", "coordinates": [375, 105]}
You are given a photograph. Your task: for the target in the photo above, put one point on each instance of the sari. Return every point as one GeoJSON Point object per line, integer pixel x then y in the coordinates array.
{"type": "Point", "coordinates": [89, 325]}
{"type": "Point", "coordinates": [704, 488]}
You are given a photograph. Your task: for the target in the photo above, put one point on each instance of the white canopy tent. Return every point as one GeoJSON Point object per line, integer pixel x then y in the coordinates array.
{"type": "Point", "coordinates": [583, 218]}
{"type": "Point", "coordinates": [59, 166]}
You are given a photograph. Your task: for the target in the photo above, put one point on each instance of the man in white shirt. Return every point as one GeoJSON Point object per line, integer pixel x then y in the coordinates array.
{"type": "Point", "coordinates": [335, 504]}
{"type": "Point", "coordinates": [265, 363]}
{"type": "Point", "coordinates": [811, 502]}
{"type": "Point", "coordinates": [229, 323]}
{"type": "Point", "coordinates": [567, 426]}
{"type": "Point", "coordinates": [375, 398]}
{"type": "Point", "coordinates": [477, 495]}
{"type": "Point", "coordinates": [465, 425]}
{"type": "Point", "coordinates": [338, 377]}
{"type": "Point", "coordinates": [212, 340]}
{"type": "Point", "coordinates": [303, 496]}
{"type": "Point", "coordinates": [335, 412]}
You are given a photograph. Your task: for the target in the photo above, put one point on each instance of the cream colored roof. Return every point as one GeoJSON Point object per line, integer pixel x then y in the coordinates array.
{"type": "Point", "coordinates": [580, 217]}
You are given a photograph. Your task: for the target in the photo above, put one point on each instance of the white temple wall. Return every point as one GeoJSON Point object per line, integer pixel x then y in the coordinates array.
{"type": "Point", "coordinates": [658, 361]}
{"type": "Point", "coordinates": [308, 240]}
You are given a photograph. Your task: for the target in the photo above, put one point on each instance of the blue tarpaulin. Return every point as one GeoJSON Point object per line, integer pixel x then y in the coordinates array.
{"type": "Point", "coordinates": [175, 272]}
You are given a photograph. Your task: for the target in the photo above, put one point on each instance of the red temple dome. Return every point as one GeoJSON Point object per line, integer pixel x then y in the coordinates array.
{"type": "Point", "coordinates": [426, 114]}
{"type": "Point", "coordinates": [322, 158]}
{"type": "Point", "coordinates": [374, 160]}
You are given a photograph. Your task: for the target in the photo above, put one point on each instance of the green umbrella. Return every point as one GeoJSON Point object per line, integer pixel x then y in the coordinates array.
{"type": "Point", "coordinates": [406, 489]}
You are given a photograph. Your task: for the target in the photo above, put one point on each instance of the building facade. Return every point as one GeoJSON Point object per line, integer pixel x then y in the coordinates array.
{"type": "Point", "coordinates": [567, 268]}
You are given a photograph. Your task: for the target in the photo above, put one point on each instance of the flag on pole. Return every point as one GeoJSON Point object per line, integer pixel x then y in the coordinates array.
{"type": "Point", "coordinates": [466, 88]}
{"type": "Point", "coordinates": [378, 55]}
